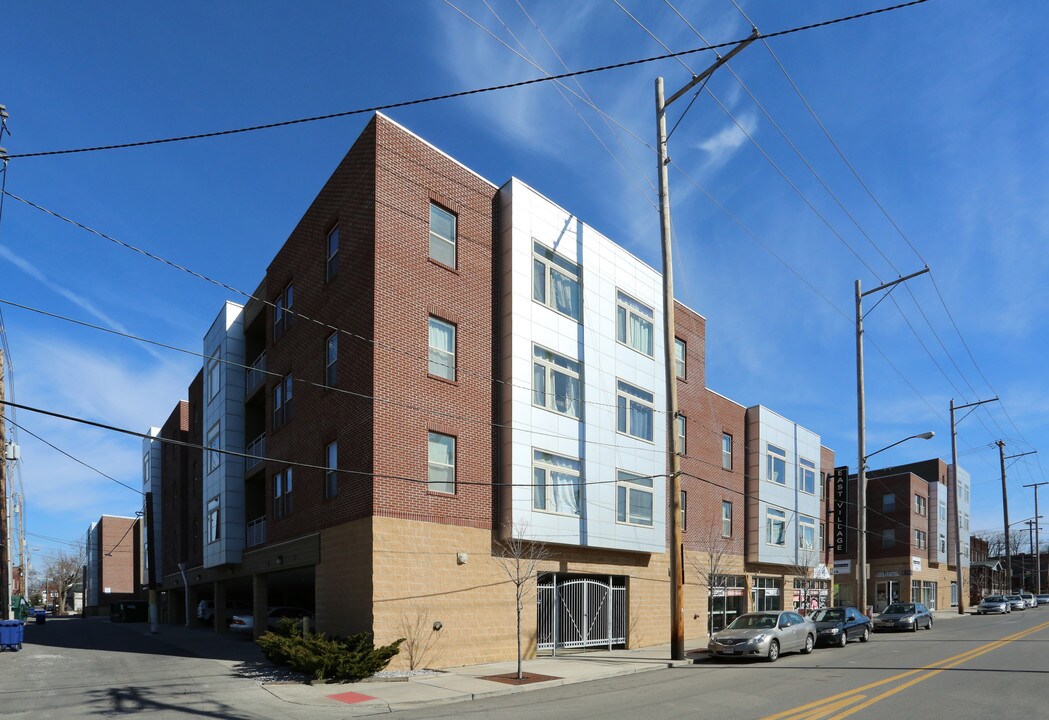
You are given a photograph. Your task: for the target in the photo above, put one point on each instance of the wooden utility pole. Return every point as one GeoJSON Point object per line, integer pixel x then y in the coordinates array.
{"type": "Point", "coordinates": [5, 540]}
{"type": "Point", "coordinates": [677, 560]}
{"type": "Point", "coordinates": [1037, 538]}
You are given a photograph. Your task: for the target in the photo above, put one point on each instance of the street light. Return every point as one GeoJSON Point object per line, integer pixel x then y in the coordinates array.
{"type": "Point", "coordinates": [861, 512]}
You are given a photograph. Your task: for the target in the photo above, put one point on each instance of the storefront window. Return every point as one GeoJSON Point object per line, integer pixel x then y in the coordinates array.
{"type": "Point", "coordinates": [727, 600]}
{"type": "Point", "coordinates": [766, 594]}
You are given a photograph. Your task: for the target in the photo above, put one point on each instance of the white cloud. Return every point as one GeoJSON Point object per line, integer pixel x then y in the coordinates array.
{"type": "Point", "coordinates": [723, 144]}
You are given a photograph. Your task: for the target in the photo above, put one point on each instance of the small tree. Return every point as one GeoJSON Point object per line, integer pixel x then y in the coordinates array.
{"type": "Point", "coordinates": [420, 636]}
{"type": "Point", "coordinates": [63, 572]}
{"type": "Point", "coordinates": [711, 563]}
{"type": "Point", "coordinates": [521, 558]}
{"type": "Point", "coordinates": [804, 569]}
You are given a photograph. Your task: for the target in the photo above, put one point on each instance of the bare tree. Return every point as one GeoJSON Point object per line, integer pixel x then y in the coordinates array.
{"type": "Point", "coordinates": [62, 572]}
{"type": "Point", "coordinates": [420, 636]}
{"type": "Point", "coordinates": [712, 562]}
{"type": "Point", "coordinates": [805, 569]}
{"type": "Point", "coordinates": [521, 559]}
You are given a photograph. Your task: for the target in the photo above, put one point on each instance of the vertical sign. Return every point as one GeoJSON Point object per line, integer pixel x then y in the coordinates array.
{"type": "Point", "coordinates": [841, 513]}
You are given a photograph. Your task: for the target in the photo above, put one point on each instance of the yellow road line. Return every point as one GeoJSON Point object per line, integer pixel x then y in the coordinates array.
{"type": "Point", "coordinates": [815, 710]}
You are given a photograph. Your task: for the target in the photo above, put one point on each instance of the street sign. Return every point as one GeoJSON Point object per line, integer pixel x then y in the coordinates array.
{"type": "Point", "coordinates": [841, 513]}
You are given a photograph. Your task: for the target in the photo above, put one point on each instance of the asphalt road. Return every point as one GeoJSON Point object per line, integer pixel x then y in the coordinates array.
{"type": "Point", "coordinates": [966, 668]}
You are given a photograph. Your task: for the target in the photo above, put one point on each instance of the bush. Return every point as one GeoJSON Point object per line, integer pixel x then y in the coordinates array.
{"type": "Point", "coordinates": [323, 658]}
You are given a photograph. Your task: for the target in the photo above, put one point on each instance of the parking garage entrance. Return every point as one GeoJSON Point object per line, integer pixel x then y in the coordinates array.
{"type": "Point", "coordinates": [580, 611]}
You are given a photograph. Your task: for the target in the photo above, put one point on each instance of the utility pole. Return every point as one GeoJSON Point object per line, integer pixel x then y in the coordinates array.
{"type": "Point", "coordinates": [5, 543]}
{"type": "Point", "coordinates": [677, 560]}
{"type": "Point", "coordinates": [1037, 535]}
{"type": "Point", "coordinates": [1030, 535]}
{"type": "Point", "coordinates": [952, 499]}
{"type": "Point", "coordinates": [151, 565]}
{"type": "Point", "coordinates": [1005, 512]}
{"type": "Point", "coordinates": [861, 442]}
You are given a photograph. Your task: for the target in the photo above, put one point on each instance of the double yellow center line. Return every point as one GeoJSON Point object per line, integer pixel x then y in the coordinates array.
{"type": "Point", "coordinates": [852, 701]}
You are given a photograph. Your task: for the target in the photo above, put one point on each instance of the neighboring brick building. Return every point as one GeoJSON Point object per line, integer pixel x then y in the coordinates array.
{"type": "Point", "coordinates": [113, 572]}
{"type": "Point", "coordinates": [434, 364]}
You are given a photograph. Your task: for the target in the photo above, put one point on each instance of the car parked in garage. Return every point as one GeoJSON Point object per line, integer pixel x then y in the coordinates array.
{"type": "Point", "coordinates": [904, 616]}
{"type": "Point", "coordinates": [246, 623]}
{"type": "Point", "coordinates": [838, 625]}
{"type": "Point", "coordinates": [764, 635]}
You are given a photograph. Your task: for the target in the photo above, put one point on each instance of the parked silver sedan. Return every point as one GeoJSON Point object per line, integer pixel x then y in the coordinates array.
{"type": "Point", "coordinates": [993, 604]}
{"type": "Point", "coordinates": [904, 616]}
{"type": "Point", "coordinates": [1016, 602]}
{"type": "Point", "coordinates": [764, 634]}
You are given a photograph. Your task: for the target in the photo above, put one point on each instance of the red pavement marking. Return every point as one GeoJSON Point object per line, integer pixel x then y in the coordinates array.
{"type": "Point", "coordinates": [350, 698]}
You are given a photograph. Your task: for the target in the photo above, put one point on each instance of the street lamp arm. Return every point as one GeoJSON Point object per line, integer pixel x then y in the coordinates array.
{"type": "Point", "coordinates": [923, 436]}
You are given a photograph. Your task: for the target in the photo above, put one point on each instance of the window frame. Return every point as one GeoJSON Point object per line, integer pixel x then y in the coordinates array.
{"type": "Point", "coordinates": [888, 502]}
{"type": "Point", "coordinates": [921, 539]}
{"type": "Point", "coordinates": [283, 397]}
{"type": "Point", "coordinates": [775, 517]}
{"type": "Point", "coordinates": [283, 487]}
{"type": "Point", "coordinates": [552, 262]}
{"type": "Point", "coordinates": [214, 442]}
{"type": "Point", "coordinates": [774, 453]}
{"type": "Point", "coordinates": [214, 374]}
{"type": "Point", "coordinates": [548, 488]}
{"type": "Point", "coordinates": [726, 519]}
{"type": "Point", "coordinates": [684, 510]}
{"type": "Point", "coordinates": [681, 425]}
{"type": "Point", "coordinates": [440, 486]}
{"type": "Point", "coordinates": [888, 538]}
{"type": "Point", "coordinates": [283, 312]}
{"type": "Point", "coordinates": [726, 455]}
{"type": "Point", "coordinates": [627, 484]}
{"type": "Point", "coordinates": [551, 368]}
{"type": "Point", "coordinates": [331, 463]}
{"type": "Point", "coordinates": [627, 306]}
{"type": "Point", "coordinates": [448, 367]}
{"type": "Point", "coordinates": [680, 362]}
{"type": "Point", "coordinates": [452, 242]}
{"type": "Point", "coordinates": [331, 258]}
{"type": "Point", "coordinates": [213, 517]}
{"type": "Point", "coordinates": [921, 505]}
{"type": "Point", "coordinates": [806, 527]}
{"type": "Point", "coordinates": [331, 360]}
{"type": "Point", "coordinates": [625, 401]}
{"type": "Point", "coordinates": [806, 476]}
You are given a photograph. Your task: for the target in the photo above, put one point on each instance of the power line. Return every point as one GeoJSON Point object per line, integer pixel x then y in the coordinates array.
{"type": "Point", "coordinates": [463, 93]}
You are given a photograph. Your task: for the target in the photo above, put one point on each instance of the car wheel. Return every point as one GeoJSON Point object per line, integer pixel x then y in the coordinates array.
{"type": "Point", "coordinates": [773, 655]}
{"type": "Point", "coordinates": [929, 626]}
{"type": "Point", "coordinates": [810, 642]}
{"type": "Point", "coordinates": [866, 636]}
{"type": "Point", "coordinates": [914, 626]}
{"type": "Point", "coordinates": [843, 640]}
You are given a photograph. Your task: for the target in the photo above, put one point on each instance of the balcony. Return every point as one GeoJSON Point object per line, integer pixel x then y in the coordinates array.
{"type": "Point", "coordinates": [256, 532]}
{"type": "Point", "coordinates": [255, 375]}
{"type": "Point", "coordinates": [255, 452]}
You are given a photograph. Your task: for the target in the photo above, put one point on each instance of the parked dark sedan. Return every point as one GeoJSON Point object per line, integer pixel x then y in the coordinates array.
{"type": "Point", "coordinates": [904, 616]}
{"type": "Point", "coordinates": [838, 625]}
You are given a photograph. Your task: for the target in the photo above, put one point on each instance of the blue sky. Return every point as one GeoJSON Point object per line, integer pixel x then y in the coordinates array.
{"type": "Point", "coordinates": [940, 108]}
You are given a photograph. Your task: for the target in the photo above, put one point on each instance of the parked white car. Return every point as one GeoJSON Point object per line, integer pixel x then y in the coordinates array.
{"type": "Point", "coordinates": [245, 623]}
{"type": "Point", "coordinates": [206, 611]}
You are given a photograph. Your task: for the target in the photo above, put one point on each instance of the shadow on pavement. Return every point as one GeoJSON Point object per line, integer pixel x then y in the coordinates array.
{"type": "Point", "coordinates": [134, 700]}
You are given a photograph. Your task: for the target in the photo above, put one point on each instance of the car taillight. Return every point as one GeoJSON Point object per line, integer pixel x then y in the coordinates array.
{"type": "Point", "coordinates": [237, 621]}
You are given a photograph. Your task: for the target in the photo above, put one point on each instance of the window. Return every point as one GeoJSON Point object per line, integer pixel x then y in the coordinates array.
{"type": "Point", "coordinates": [442, 235]}
{"type": "Point", "coordinates": [776, 464]}
{"type": "Point", "coordinates": [555, 382]}
{"type": "Point", "coordinates": [440, 460]}
{"type": "Point", "coordinates": [556, 483]}
{"type": "Point", "coordinates": [282, 487]}
{"type": "Point", "coordinates": [555, 282]}
{"type": "Point", "coordinates": [331, 261]}
{"type": "Point", "coordinates": [214, 443]}
{"type": "Point", "coordinates": [682, 422]}
{"type": "Point", "coordinates": [331, 360]}
{"type": "Point", "coordinates": [634, 323]}
{"type": "Point", "coordinates": [283, 314]}
{"type": "Point", "coordinates": [822, 547]}
{"type": "Point", "coordinates": [679, 358]}
{"type": "Point", "coordinates": [965, 522]}
{"type": "Point", "coordinates": [775, 527]}
{"type": "Point", "coordinates": [943, 511]}
{"type": "Point", "coordinates": [920, 539]}
{"type": "Point", "coordinates": [213, 519]}
{"type": "Point", "coordinates": [635, 408]}
{"type": "Point", "coordinates": [726, 519]}
{"type": "Point", "coordinates": [726, 451]}
{"type": "Point", "coordinates": [684, 510]}
{"type": "Point", "coordinates": [282, 396]}
{"type": "Point", "coordinates": [943, 543]}
{"type": "Point", "coordinates": [921, 505]}
{"type": "Point", "coordinates": [807, 476]}
{"type": "Point", "coordinates": [888, 502]}
{"type": "Point", "coordinates": [442, 349]}
{"type": "Point", "coordinates": [806, 533]}
{"type": "Point", "coordinates": [331, 477]}
{"type": "Point", "coordinates": [633, 499]}
{"type": "Point", "coordinates": [214, 373]}
{"type": "Point", "coordinates": [888, 538]}
{"type": "Point", "coordinates": [145, 469]}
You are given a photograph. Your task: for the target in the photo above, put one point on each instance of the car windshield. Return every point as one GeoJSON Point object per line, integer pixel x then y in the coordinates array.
{"type": "Point", "coordinates": [753, 622]}
{"type": "Point", "coordinates": [828, 615]}
{"type": "Point", "coordinates": [994, 599]}
{"type": "Point", "coordinates": [899, 609]}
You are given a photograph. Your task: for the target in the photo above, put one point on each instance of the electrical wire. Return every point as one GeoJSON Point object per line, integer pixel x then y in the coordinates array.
{"type": "Point", "coordinates": [462, 93]}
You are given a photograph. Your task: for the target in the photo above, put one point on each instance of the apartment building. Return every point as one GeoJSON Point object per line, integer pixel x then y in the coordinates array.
{"type": "Point", "coordinates": [113, 569]}
{"type": "Point", "coordinates": [434, 366]}
{"type": "Point", "coordinates": [911, 535]}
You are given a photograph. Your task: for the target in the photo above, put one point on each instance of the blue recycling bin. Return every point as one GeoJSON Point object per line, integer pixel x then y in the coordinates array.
{"type": "Point", "coordinates": [41, 616]}
{"type": "Point", "coordinates": [11, 634]}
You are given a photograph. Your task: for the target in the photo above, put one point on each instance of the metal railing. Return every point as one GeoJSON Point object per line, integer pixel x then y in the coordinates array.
{"type": "Point", "coordinates": [255, 375]}
{"type": "Point", "coordinates": [255, 451]}
{"type": "Point", "coordinates": [256, 534]}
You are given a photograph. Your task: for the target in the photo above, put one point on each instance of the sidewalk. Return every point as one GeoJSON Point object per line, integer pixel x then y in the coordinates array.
{"type": "Point", "coordinates": [448, 686]}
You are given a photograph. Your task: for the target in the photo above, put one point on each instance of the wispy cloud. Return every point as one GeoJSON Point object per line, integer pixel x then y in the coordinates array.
{"type": "Point", "coordinates": [723, 144]}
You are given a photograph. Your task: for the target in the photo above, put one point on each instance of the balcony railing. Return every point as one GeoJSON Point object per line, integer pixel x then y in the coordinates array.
{"type": "Point", "coordinates": [255, 375]}
{"type": "Point", "coordinates": [257, 531]}
{"type": "Point", "coordinates": [255, 452]}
